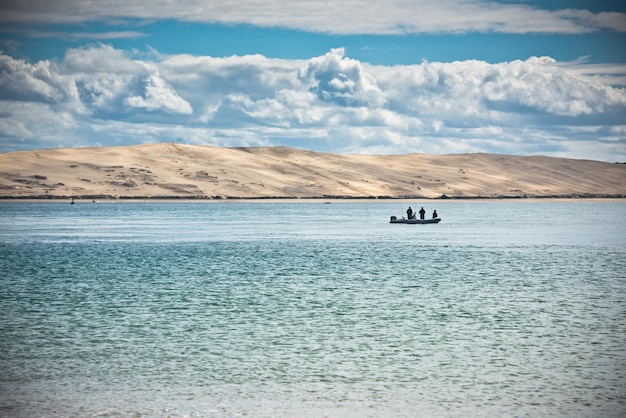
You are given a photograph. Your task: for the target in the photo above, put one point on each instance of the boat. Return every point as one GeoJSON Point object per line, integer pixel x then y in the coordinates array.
{"type": "Point", "coordinates": [403, 220]}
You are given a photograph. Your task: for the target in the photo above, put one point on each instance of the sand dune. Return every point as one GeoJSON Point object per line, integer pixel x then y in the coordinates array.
{"type": "Point", "coordinates": [168, 170]}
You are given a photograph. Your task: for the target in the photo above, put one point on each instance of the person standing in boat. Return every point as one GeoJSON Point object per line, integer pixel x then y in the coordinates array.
{"type": "Point", "coordinates": [422, 213]}
{"type": "Point", "coordinates": [409, 212]}
{"type": "Point", "coordinates": [435, 214]}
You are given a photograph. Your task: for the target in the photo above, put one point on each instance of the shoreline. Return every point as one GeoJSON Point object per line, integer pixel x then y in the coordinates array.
{"type": "Point", "coordinates": [313, 200]}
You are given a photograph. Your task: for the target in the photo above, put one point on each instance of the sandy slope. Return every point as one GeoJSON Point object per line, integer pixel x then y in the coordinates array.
{"type": "Point", "coordinates": [185, 171]}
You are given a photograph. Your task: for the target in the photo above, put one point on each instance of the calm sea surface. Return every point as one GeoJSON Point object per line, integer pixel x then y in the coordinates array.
{"type": "Point", "coordinates": [513, 308]}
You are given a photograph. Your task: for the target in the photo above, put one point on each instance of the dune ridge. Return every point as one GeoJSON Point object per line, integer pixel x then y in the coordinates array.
{"type": "Point", "coordinates": [172, 170]}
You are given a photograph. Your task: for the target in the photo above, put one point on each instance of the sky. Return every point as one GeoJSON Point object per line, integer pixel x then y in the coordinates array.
{"type": "Point", "coordinates": [517, 77]}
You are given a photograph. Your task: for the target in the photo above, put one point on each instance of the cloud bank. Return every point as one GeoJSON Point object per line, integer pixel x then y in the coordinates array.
{"type": "Point", "coordinates": [391, 17]}
{"type": "Point", "coordinates": [99, 95]}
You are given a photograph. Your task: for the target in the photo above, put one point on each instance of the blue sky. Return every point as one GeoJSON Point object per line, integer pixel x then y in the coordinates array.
{"type": "Point", "coordinates": [439, 77]}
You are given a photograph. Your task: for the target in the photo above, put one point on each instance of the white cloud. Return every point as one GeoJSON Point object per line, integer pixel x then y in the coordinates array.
{"type": "Point", "coordinates": [159, 95]}
{"type": "Point", "coordinates": [100, 95]}
{"type": "Point", "coordinates": [606, 74]}
{"type": "Point", "coordinates": [22, 81]}
{"type": "Point", "coordinates": [327, 16]}
{"type": "Point", "coordinates": [539, 84]}
{"type": "Point", "coordinates": [98, 59]}
{"type": "Point", "coordinates": [334, 78]}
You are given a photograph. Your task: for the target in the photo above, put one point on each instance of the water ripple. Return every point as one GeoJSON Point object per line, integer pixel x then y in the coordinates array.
{"type": "Point", "coordinates": [313, 326]}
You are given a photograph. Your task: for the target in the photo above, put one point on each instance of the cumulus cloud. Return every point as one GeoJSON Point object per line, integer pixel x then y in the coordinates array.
{"type": "Point", "coordinates": [157, 94]}
{"type": "Point", "coordinates": [334, 78]}
{"type": "Point", "coordinates": [355, 16]}
{"type": "Point", "coordinates": [538, 84]}
{"type": "Point", "coordinates": [98, 59]}
{"type": "Point", "coordinates": [101, 95]}
{"type": "Point", "coordinates": [21, 81]}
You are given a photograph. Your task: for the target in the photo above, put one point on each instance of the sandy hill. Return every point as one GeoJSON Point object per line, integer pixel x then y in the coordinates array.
{"type": "Point", "coordinates": [169, 170]}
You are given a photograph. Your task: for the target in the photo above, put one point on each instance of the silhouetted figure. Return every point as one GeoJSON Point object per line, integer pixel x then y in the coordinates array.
{"type": "Point", "coordinates": [422, 213]}
{"type": "Point", "coordinates": [409, 212]}
{"type": "Point", "coordinates": [435, 215]}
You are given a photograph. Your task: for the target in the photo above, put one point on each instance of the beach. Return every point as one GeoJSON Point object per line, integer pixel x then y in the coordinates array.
{"type": "Point", "coordinates": [181, 171]}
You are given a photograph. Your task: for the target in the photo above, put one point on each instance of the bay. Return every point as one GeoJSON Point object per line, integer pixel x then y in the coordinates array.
{"type": "Point", "coordinates": [505, 308]}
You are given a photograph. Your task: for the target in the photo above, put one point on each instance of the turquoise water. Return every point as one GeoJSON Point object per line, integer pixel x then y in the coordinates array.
{"type": "Point", "coordinates": [505, 308]}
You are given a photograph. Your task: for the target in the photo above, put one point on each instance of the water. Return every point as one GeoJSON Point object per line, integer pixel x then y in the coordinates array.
{"type": "Point", "coordinates": [512, 308]}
